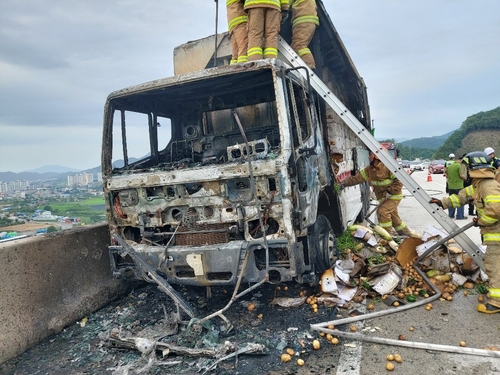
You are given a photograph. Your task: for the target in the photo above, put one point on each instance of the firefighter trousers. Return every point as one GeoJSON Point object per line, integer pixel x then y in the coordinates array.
{"type": "Point", "coordinates": [492, 268]}
{"type": "Point", "coordinates": [263, 28]}
{"type": "Point", "coordinates": [239, 43]}
{"type": "Point", "coordinates": [388, 215]}
{"type": "Point", "coordinates": [302, 35]}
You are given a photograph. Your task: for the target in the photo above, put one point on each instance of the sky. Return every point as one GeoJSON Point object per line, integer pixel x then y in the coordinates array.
{"type": "Point", "coordinates": [427, 65]}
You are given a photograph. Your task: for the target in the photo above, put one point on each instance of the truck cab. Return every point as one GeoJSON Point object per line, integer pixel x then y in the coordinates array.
{"type": "Point", "coordinates": [226, 172]}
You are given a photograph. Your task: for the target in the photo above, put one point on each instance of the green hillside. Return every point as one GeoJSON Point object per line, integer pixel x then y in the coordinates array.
{"type": "Point", "coordinates": [431, 143]}
{"type": "Point", "coordinates": [477, 132]}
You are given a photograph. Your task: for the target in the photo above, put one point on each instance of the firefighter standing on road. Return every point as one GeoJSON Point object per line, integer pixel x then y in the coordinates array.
{"type": "Point", "coordinates": [495, 162]}
{"type": "Point", "coordinates": [237, 24]}
{"type": "Point", "coordinates": [455, 184]}
{"type": "Point", "coordinates": [264, 22]}
{"type": "Point", "coordinates": [387, 189]}
{"type": "Point", "coordinates": [447, 163]}
{"type": "Point", "coordinates": [304, 22]}
{"type": "Point", "coordinates": [485, 193]}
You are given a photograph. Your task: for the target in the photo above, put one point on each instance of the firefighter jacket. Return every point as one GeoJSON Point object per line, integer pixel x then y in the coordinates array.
{"type": "Point", "coordinates": [485, 192]}
{"type": "Point", "coordinates": [281, 5]}
{"type": "Point", "coordinates": [235, 13]}
{"type": "Point", "coordinates": [304, 11]}
{"type": "Point", "coordinates": [384, 183]}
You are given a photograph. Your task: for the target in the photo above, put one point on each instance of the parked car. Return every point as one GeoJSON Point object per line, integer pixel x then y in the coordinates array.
{"type": "Point", "coordinates": [416, 166]}
{"type": "Point", "coordinates": [436, 166]}
{"type": "Point", "coordinates": [405, 163]}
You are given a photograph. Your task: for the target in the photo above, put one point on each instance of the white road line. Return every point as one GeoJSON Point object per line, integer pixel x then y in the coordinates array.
{"type": "Point", "coordinates": [350, 356]}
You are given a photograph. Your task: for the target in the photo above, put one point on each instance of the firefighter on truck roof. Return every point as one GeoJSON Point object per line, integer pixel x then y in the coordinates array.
{"type": "Point", "coordinates": [387, 189]}
{"type": "Point", "coordinates": [264, 23]}
{"type": "Point", "coordinates": [237, 24]}
{"type": "Point", "coordinates": [304, 22]}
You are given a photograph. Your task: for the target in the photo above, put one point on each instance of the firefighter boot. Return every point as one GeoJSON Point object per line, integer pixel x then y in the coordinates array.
{"type": "Point", "coordinates": [487, 308]}
{"type": "Point", "coordinates": [405, 232]}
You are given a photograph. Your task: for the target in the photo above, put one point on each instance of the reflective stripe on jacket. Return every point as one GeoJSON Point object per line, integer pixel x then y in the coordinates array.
{"type": "Point", "coordinates": [380, 177]}
{"type": "Point", "coordinates": [236, 15]}
{"type": "Point", "coordinates": [281, 5]}
{"type": "Point", "coordinates": [304, 11]}
{"type": "Point", "coordinates": [486, 195]}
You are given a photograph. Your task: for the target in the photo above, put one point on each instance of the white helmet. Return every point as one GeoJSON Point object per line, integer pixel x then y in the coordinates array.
{"type": "Point", "coordinates": [451, 156]}
{"type": "Point", "coordinates": [488, 151]}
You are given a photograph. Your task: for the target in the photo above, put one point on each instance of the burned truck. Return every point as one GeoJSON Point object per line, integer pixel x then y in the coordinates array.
{"type": "Point", "coordinates": [225, 173]}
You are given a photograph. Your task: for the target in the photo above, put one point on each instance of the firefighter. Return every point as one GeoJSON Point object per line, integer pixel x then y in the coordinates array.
{"type": "Point", "coordinates": [264, 22]}
{"type": "Point", "coordinates": [455, 184]}
{"type": "Point", "coordinates": [447, 163]}
{"type": "Point", "coordinates": [304, 22]}
{"type": "Point", "coordinates": [388, 191]}
{"type": "Point", "coordinates": [485, 194]}
{"type": "Point", "coordinates": [237, 24]}
{"type": "Point", "coordinates": [495, 162]}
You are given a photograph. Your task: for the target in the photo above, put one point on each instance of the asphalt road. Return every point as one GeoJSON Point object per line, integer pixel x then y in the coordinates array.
{"type": "Point", "coordinates": [446, 324]}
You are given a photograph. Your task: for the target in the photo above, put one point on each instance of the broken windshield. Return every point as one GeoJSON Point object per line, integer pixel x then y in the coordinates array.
{"type": "Point", "coordinates": [196, 123]}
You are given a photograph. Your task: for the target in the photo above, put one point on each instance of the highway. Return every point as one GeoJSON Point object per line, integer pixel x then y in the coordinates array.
{"type": "Point", "coordinates": [446, 324]}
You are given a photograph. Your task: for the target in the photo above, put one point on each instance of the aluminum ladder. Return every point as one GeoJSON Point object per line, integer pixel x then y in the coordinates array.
{"type": "Point", "coordinates": [366, 137]}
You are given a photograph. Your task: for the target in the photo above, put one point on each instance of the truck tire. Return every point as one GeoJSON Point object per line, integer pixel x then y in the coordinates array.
{"type": "Point", "coordinates": [322, 244]}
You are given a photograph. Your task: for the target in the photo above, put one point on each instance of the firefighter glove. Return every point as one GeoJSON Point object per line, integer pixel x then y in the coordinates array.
{"type": "Point", "coordinates": [474, 220]}
{"type": "Point", "coordinates": [436, 201]}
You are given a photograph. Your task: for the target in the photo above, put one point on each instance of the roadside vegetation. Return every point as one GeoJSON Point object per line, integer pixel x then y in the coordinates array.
{"type": "Point", "coordinates": [88, 208]}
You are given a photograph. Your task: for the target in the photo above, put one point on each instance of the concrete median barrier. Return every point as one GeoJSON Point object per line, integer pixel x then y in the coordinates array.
{"type": "Point", "coordinates": [49, 282]}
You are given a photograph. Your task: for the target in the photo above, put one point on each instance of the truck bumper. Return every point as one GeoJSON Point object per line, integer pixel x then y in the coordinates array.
{"type": "Point", "coordinates": [213, 265]}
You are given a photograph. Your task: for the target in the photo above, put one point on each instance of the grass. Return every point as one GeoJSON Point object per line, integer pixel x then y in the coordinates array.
{"type": "Point", "coordinates": [91, 210]}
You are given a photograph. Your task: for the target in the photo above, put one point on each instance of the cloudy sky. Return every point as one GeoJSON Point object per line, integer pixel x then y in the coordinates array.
{"type": "Point", "coordinates": [428, 64]}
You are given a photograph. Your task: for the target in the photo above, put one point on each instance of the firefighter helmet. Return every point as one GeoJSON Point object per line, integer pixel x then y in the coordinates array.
{"type": "Point", "coordinates": [488, 151]}
{"type": "Point", "coordinates": [476, 160]}
{"type": "Point", "coordinates": [451, 156]}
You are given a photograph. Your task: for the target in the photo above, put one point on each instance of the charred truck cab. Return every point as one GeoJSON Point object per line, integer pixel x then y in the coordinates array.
{"type": "Point", "coordinates": [237, 167]}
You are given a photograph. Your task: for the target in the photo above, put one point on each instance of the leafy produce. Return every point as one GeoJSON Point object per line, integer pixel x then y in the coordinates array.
{"type": "Point", "coordinates": [411, 298]}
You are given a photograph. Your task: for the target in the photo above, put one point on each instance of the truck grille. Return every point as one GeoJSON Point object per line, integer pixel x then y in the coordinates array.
{"type": "Point", "coordinates": [202, 234]}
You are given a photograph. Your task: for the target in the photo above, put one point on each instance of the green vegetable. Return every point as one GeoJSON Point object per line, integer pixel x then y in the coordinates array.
{"type": "Point", "coordinates": [432, 273]}
{"type": "Point", "coordinates": [375, 259]}
{"type": "Point", "coordinates": [411, 298]}
{"type": "Point", "coordinates": [481, 288]}
{"type": "Point", "coordinates": [423, 292]}
{"type": "Point", "coordinates": [346, 241]}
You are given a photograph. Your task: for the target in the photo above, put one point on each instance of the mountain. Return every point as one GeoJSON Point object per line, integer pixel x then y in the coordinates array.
{"type": "Point", "coordinates": [39, 174]}
{"type": "Point", "coordinates": [477, 132]}
{"type": "Point", "coordinates": [31, 176]}
{"type": "Point", "coordinates": [431, 143]}
{"type": "Point", "coordinates": [54, 169]}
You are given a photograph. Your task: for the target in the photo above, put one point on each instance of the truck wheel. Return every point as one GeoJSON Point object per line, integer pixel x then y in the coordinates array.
{"type": "Point", "coordinates": [321, 243]}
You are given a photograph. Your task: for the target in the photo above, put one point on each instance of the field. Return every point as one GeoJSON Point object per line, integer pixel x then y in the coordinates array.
{"type": "Point", "coordinates": [89, 211]}
{"type": "Point", "coordinates": [27, 227]}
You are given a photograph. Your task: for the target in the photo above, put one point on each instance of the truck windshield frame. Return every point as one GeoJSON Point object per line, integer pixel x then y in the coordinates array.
{"type": "Point", "coordinates": [198, 125]}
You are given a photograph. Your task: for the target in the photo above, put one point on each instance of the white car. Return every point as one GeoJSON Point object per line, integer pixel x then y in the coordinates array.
{"type": "Point", "coordinates": [416, 166]}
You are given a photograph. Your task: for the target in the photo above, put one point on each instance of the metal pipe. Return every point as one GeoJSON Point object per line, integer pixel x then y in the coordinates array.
{"type": "Point", "coordinates": [413, 344]}
{"type": "Point", "coordinates": [376, 314]}
{"type": "Point", "coordinates": [216, 24]}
